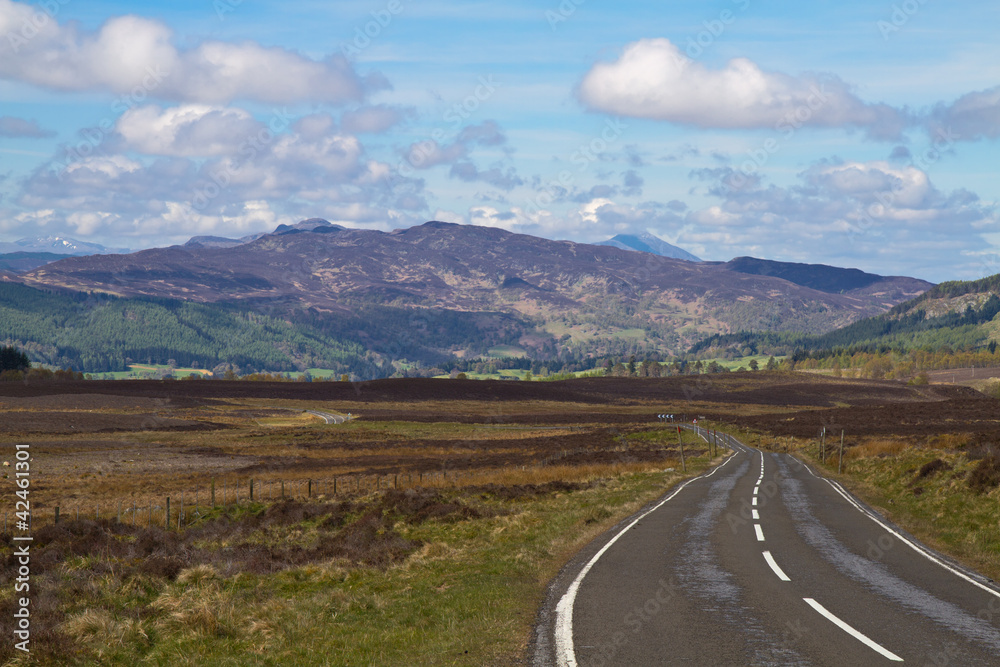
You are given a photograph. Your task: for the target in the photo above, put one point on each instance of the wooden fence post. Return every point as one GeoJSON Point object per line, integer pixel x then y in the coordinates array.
{"type": "Point", "coordinates": [840, 463]}
{"type": "Point", "coordinates": [680, 443]}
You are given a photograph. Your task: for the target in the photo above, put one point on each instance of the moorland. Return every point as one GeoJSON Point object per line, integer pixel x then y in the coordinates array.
{"type": "Point", "coordinates": [424, 528]}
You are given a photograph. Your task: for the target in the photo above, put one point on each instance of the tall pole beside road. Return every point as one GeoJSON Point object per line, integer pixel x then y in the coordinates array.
{"type": "Point", "coordinates": [840, 463]}
{"type": "Point", "coordinates": [680, 443]}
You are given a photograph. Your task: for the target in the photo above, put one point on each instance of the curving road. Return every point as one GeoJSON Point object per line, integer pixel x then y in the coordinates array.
{"type": "Point", "coordinates": [328, 417]}
{"type": "Point", "coordinates": [762, 562]}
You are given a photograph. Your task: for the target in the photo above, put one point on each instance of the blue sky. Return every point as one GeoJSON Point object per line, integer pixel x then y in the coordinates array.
{"type": "Point", "coordinates": [857, 134]}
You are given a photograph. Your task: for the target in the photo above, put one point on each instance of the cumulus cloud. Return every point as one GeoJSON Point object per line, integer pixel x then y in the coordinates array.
{"type": "Point", "coordinates": [188, 130]}
{"type": "Point", "coordinates": [971, 117]}
{"type": "Point", "coordinates": [315, 126]}
{"type": "Point", "coordinates": [134, 55]}
{"type": "Point", "coordinates": [654, 79]}
{"type": "Point", "coordinates": [206, 169]}
{"type": "Point", "coordinates": [18, 128]}
{"type": "Point", "coordinates": [876, 214]}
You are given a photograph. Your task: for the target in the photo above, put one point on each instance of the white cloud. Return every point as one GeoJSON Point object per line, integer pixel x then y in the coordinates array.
{"type": "Point", "coordinates": [653, 79]}
{"type": "Point", "coordinates": [131, 55]}
{"type": "Point", "coordinates": [873, 181]}
{"type": "Point", "coordinates": [188, 130]}
{"type": "Point", "coordinates": [884, 218]}
{"type": "Point", "coordinates": [163, 191]}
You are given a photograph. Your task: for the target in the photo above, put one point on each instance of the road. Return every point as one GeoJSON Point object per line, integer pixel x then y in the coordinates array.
{"type": "Point", "coordinates": [328, 417]}
{"type": "Point", "coordinates": [762, 562]}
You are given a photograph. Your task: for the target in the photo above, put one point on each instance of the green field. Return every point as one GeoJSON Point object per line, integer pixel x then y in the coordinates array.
{"type": "Point", "coordinates": [156, 371]}
{"type": "Point", "coordinates": [501, 351]}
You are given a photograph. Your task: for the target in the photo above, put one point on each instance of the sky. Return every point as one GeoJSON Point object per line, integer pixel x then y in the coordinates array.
{"type": "Point", "coordinates": [853, 133]}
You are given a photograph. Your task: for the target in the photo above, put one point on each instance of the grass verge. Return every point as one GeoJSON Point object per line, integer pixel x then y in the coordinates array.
{"type": "Point", "coordinates": [422, 576]}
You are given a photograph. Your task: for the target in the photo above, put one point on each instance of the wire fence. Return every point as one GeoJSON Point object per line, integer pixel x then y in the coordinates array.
{"type": "Point", "coordinates": [184, 507]}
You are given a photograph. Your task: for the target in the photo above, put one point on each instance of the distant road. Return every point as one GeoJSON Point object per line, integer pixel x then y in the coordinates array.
{"type": "Point", "coordinates": [327, 417]}
{"type": "Point", "coordinates": [762, 562]}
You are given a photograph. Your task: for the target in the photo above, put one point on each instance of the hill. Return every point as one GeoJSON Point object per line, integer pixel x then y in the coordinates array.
{"type": "Point", "coordinates": [441, 290]}
{"type": "Point", "coordinates": [16, 262]}
{"type": "Point", "coordinates": [96, 333]}
{"type": "Point", "coordinates": [816, 276]}
{"type": "Point", "coordinates": [958, 315]}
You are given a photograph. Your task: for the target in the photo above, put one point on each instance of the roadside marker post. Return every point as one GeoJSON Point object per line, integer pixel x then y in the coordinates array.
{"type": "Point", "coordinates": [680, 442]}
{"type": "Point", "coordinates": [840, 463]}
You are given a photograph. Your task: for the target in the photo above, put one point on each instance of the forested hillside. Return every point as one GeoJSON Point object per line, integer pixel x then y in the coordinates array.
{"type": "Point", "coordinates": [97, 333]}
{"type": "Point", "coordinates": [953, 325]}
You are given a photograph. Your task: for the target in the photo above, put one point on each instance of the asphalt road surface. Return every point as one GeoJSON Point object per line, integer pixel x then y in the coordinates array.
{"type": "Point", "coordinates": [762, 562]}
{"type": "Point", "coordinates": [327, 417]}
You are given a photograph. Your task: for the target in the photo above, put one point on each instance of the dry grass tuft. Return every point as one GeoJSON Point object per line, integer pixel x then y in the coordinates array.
{"type": "Point", "coordinates": [874, 448]}
{"type": "Point", "coordinates": [197, 575]}
{"type": "Point", "coordinates": [203, 610]}
{"type": "Point", "coordinates": [949, 441]}
{"type": "Point", "coordinates": [100, 624]}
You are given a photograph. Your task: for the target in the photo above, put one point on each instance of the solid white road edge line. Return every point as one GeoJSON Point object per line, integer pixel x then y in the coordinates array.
{"type": "Point", "coordinates": [774, 566]}
{"type": "Point", "coordinates": [916, 547]}
{"type": "Point", "coordinates": [565, 654]}
{"type": "Point", "coordinates": [760, 533]}
{"type": "Point", "coordinates": [851, 631]}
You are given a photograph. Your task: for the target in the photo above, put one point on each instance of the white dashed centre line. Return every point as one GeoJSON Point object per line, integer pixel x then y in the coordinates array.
{"type": "Point", "coordinates": [756, 515]}
{"type": "Point", "coordinates": [774, 566]}
{"type": "Point", "coordinates": [760, 533]}
{"type": "Point", "coordinates": [755, 490]}
{"type": "Point", "coordinates": [755, 500]}
{"type": "Point", "coordinates": [851, 631]}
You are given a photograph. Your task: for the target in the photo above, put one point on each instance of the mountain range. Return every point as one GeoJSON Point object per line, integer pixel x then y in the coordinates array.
{"type": "Point", "coordinates": [442, 290]}
{"type": "Point", "coordinates": [57, 245]}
